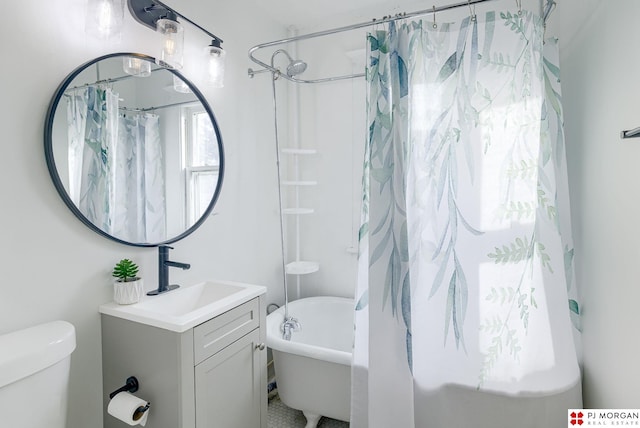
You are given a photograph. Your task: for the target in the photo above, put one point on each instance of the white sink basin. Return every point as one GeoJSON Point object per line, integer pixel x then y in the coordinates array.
{"type": "Point", "coordinates": [184, 308]}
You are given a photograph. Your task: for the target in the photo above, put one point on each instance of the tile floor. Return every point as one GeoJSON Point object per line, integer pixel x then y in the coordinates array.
{"type": "Point", "coordinates": [281, 416]}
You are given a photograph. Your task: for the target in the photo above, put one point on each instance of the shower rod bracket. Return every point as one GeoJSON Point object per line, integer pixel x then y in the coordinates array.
{"type": "Point", "coordinates": [630, 133]}
{"type": "Point", "coordinates": [251, 72]}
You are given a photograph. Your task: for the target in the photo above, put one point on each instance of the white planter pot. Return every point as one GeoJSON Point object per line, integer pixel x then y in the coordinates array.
{"type": "Point", "coordinates": [126, 293]}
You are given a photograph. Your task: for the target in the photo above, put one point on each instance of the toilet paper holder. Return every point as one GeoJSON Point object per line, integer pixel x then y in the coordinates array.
{"type": "Point", "coordinates": [132, 385]}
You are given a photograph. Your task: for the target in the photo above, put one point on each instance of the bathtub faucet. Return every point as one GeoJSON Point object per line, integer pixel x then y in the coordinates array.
{"type": "Point", "coordinates": [289, 325]}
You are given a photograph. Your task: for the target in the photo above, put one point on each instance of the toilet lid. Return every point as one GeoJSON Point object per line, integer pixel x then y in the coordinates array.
{"type": "Point", "coordinates": [28, 351]}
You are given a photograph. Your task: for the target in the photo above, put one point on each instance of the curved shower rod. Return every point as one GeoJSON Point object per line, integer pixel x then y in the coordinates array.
{"type": "Point", "coordinates": [548, 7]}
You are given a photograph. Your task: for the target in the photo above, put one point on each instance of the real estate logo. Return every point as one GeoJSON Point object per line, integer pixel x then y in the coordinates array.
{"type": "Point", "coordinates": [576, 418]}
{"type": "Point", "coordinates": [603, 417]}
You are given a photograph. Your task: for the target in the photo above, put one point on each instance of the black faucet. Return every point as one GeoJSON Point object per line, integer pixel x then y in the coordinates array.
{"type": "Point", "coordinates": [163, 270]}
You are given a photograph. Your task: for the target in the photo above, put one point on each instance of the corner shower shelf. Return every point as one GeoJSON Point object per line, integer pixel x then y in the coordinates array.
{"type": "Point", "coordinates": [298, 267]}
{"type": "Point", "coordinates": [302, 268]}
{"type": "Point", "coordinates": [297, 211]}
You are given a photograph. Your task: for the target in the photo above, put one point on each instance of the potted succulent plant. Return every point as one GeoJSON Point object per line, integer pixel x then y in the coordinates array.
{"type": "Point", "coordinates": [128, 287]}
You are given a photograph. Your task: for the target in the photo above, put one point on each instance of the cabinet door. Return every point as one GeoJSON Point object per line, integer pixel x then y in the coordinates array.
{"type": "Point", "coordinates": [228, 386]}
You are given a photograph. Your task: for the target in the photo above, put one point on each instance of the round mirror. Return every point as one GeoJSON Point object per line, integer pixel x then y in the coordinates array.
{"type": "Point", "coordinates": [134, 150]}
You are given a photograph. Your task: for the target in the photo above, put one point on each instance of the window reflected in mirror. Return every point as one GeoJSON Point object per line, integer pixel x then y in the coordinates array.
{"type": "Point", "coordinates": [202, 160]}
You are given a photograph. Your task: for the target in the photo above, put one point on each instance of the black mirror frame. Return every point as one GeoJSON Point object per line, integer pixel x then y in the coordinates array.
{"type": "Point", "coordinates": [57, 182]}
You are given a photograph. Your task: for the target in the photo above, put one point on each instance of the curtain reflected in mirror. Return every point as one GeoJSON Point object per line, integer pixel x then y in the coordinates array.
{"type": "Point", "coordinates": [116, 167]}
{"type": "Point", "coordinates": [134, 159]}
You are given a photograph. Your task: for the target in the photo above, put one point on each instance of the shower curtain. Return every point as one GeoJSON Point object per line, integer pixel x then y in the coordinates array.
{"type": "Point", "coordinates": [465, 286]}
{"type": "Point", "coordinates": [116, 170]}
{"type": "Point", "coordinates": [92, 118]}
{"type": "Point", "coordinates": [139, 181]}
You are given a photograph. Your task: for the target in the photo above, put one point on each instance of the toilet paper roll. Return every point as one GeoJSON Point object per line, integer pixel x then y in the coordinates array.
{"type": "Point", "coordinates": [126, 407]}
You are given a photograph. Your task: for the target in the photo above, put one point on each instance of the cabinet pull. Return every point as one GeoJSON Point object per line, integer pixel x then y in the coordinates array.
{"type": "Point", "coordinates": [260, 346]}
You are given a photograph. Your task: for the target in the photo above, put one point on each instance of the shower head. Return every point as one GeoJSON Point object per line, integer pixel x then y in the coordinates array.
{"type": "Point", "coordinates": [295, 66]}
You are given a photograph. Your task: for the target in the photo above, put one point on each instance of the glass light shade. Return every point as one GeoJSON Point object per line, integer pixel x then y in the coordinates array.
{"type": "Point", "coordinates": [180, 85]}
{"type": "Point", "coordinates": [215, 65]}
{"type": "Point", "coordinates": [104, 18]}
{"type": "Point", "coordinates": [136, 66]}
{"type": "Point", "coordinates": [172, 43]}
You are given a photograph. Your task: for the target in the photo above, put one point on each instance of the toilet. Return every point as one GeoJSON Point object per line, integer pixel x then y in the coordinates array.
{"type": "Point", "coordinates": [34, 375]}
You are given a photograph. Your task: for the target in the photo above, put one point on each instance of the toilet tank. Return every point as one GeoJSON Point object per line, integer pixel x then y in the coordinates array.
{"type": "Point", "coordinates": [34, 375]}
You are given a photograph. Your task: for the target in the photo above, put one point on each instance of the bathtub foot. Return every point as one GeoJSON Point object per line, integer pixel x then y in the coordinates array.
{"type": "Point", "coordinates": [312, 420]}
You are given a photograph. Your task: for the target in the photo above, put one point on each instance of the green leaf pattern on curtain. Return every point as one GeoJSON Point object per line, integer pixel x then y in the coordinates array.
{"type": "Point", "coordinates": [76, 124]}
{"type": "Point", "coordinates": [99, 137]}
{"type": "Point", "coordinates": [452, 120]}
{"type": "Point", "coordinates": [116, 166]}
{"type": "Point", "coordinates": [385, 157]}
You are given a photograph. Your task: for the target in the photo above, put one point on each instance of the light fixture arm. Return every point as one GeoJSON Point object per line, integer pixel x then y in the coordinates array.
{"type": "Point", "coordinates": [147, 12]}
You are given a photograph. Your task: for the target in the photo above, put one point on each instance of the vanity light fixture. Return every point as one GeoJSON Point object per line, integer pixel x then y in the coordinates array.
{"type": "Point", "coordinates": [180, 85]}
{"type": "Point", "coordinates": [137, 67]}
{"type": "Point", "coordinates": [215, 63]}
{"type": "Point", "coordinates": [104, 18]}
{"type": "Point", "coordinates": [171, 42]}
{"type": "Point", "coordinates": [163, 19]}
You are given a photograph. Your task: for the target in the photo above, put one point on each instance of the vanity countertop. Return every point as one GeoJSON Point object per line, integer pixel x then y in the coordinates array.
{"type": "Point", "coordinates": [186, 307]}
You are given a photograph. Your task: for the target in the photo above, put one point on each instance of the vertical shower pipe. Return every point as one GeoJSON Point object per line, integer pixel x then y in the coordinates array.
{"type": "Point", "coordinates": [295, 136]}
{"type": "Point", "coordinates": [274, 76]}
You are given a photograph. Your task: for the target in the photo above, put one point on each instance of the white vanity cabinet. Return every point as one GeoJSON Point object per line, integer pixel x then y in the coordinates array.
{"type": "Point", "coordinates": [212, 375]}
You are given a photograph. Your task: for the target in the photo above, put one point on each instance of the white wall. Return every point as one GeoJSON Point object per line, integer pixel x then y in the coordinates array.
{"type": "Point", "coordinates": [53, 267]}
{"type": "Point", "coordinates": [598, 41]}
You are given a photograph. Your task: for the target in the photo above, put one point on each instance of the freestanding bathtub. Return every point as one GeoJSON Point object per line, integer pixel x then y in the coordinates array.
{"type": "Point", "coordinates": [313, 369]}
